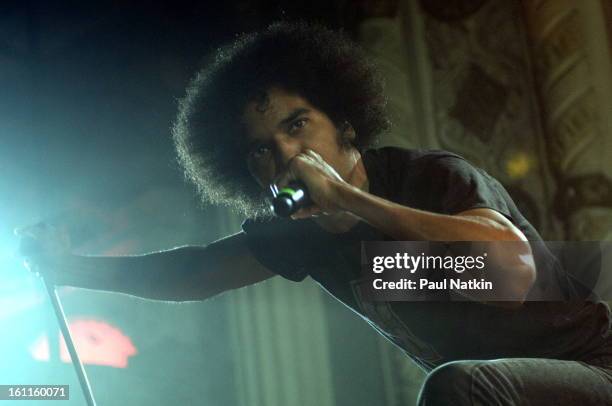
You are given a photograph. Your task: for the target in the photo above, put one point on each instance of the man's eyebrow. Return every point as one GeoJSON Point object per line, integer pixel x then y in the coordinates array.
{"type": "Point", "coordinates": [294, 114]}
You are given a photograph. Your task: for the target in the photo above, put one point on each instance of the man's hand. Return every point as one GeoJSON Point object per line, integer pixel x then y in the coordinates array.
{"type": "Point", "coordinates": [43, 247]}
{"type": "Point", "coordinates": [321, 180]}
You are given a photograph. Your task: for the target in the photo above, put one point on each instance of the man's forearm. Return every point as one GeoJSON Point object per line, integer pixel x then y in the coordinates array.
{"type": "Point", "coordinates": [407, 224]}
{"type": "Point", "coordinates": [162, 275]}
{"type": "Point", "coordinates": [513, 262]}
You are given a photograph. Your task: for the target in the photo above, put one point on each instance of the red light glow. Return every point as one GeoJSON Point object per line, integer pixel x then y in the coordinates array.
{"type": "Point", "coordinates": [97, 343]}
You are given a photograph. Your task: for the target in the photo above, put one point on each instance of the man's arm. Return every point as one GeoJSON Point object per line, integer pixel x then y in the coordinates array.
{"type": "Point", "coordinates": [180, 274]}
{"type": "Point", "coordinates": [514, 262]}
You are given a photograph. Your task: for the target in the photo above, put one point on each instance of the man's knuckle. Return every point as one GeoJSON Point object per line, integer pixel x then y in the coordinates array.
{"type": "Point", "coordinates": [296, 162]}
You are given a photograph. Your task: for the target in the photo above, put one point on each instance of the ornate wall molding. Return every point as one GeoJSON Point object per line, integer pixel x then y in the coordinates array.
{"type": "Point", "coordinates": [485, 103]}
{"type": "Point", "coordinates": [571, 56]}
{"type": "Point", "coordinates": [590, 190]}
{"type": "Point", "coordinates": [454, 10]}
{"type": "Point", "coordinates": [607, 8]}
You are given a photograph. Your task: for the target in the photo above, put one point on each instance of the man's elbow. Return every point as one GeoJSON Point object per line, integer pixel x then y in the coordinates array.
{"type": "Point", "coordinates": [519, 270]}
{"type": "Point", "coordinates": [524, 281]}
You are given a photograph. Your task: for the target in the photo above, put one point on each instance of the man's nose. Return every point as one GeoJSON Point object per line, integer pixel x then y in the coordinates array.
{"type": "Point", "coordinates": [286, 149]}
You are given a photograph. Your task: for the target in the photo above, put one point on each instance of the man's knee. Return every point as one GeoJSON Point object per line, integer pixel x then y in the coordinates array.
{"type": "Point", "coordinates": [448, 384]}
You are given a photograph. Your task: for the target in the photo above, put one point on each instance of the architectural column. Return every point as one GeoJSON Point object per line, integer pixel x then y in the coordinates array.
{"type": "Point", "coordinates": [485, 105]}
{"type": "Point", "coordinates": [571, 54]}
{"type": "Point", "coordinates": [391, 32]}
{"type": "Point", "coordinates": [279, 340]}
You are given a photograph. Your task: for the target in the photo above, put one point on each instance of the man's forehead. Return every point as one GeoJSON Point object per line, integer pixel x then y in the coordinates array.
{"type": "Point", "coordinates": [261, 107]}
{"type": "Point", "coordinates": [272, 107]}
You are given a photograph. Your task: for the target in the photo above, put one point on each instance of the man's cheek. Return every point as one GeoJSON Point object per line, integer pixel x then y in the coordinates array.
{"type": "Point", "coordinates": [263, 174]}
{"type": "Point", "coordinates": [254, 168]}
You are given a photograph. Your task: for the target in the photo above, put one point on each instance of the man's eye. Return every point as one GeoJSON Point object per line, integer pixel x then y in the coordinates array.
{"type": "Point", "coordinates": [298, 124]}
{"type": "Point", "coordinates": [260, 151]}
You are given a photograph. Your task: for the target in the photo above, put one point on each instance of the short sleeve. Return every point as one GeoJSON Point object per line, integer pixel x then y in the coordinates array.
{"type": "Point", "coordinates": [273, 242]}
{"type": "Point", "coordinates": [458, 186]}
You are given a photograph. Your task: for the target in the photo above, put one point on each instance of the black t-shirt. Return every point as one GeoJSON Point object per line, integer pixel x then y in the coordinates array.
{"type": "Point", "coordinates": [432, 333]}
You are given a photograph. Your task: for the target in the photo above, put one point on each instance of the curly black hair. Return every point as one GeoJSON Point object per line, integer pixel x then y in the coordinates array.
{"type": "Point", "coordinates": [321, 65]}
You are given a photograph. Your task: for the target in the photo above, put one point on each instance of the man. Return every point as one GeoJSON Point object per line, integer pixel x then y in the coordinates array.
{"type": "Point", "coordinates": [297, 102]}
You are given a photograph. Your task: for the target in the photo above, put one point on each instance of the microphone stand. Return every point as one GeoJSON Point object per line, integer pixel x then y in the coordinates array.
{"type": "Point", "coordinates": [63, 325]}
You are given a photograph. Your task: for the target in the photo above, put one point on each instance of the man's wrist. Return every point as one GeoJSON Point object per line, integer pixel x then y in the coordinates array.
{"type": "Point", "coordinates": [345, 195]}
{"type": "Point", "coordinates": [75, 270]}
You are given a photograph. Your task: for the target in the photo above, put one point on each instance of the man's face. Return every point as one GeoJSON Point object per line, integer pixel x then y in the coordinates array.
{"type": "Point", "coordinates": [282, 127]}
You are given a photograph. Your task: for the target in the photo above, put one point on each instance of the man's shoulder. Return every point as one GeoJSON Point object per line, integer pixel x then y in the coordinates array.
{"type": "Point", "coordinates": [391, 153]}
{"type": "Point", "coordinates": [413, 163]}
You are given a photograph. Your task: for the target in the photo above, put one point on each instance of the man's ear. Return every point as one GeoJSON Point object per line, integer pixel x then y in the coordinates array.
{"type": "Point", "coordinates": [348, 132]}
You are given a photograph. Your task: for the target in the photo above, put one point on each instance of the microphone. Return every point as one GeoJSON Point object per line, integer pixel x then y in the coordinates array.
{"type": "Point", "coordinates": [289, 199]}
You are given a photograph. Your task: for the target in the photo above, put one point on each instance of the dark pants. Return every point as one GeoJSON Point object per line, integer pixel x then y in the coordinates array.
{"type": "Point", "coordinates": [519, 381]}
